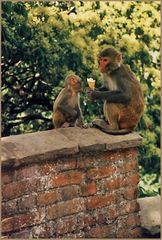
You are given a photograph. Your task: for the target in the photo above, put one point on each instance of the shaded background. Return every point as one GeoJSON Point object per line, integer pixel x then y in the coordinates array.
{"type": "Point", "coordinates": [42, 42]}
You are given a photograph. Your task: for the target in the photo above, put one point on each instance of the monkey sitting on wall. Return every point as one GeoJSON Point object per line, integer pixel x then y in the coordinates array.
{"type": "Point", "coordinates": [66, 108]}
{"type": "Point", "coordinates": [121, 92]}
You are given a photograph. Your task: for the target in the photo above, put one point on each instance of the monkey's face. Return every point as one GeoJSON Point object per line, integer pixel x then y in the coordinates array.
{"type": "Point", "coordinates": [77, 86]}
{"type": "Point", "coordinates": [102, 63]}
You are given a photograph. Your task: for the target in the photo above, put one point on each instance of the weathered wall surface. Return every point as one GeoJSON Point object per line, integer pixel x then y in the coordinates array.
{"type": "Point", "coordinates": [77, 183]}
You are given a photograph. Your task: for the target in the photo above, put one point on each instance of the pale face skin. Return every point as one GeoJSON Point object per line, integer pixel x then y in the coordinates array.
{"type": "Point", "coordinates": [102, 62]}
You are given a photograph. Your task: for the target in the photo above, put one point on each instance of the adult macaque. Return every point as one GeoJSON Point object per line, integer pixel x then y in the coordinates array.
{"type": "Point", "coordinates": [124, 101]}
{"type": "Point", "coordinates": [66, 108]}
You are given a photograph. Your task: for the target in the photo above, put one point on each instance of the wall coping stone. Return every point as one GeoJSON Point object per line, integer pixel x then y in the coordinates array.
{"type": "Point", "coordinates": [150, 214]}
{"type": "Point", "coordinates": [39, 146]}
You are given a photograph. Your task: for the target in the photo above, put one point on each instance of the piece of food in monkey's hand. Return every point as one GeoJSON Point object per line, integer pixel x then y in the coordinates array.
{"type": "Point", "coordinates": [91, 83]}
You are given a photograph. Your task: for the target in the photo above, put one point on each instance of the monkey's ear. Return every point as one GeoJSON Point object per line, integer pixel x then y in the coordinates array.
{"type": "Point", "coordinates": [119, 58]}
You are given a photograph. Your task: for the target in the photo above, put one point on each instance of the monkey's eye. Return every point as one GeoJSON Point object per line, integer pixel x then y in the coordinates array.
{"type": "Point", "coordinates": [103, 60]}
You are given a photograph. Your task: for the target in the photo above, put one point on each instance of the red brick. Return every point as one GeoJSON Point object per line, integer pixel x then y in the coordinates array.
{"type": "Point", "coordinates": [14, 190]}
{"type": "Point", "coordinates": [7, 177]}
{"type": "Point", "coordinates": [114, 183]}
{"type": "Point", "coordinates": [17, 189]}
{"type": "Point", "coordinates": [103, 215]}
{"type": "Point", "coordinates": [24, 234]}
{"type": "Point", "coordinates": [129, 166]}
{"type": "Point", "coordinates": [65, 208]}
{"type": "Point", "coordinates": [9, 208]}
{"type": "Point", "coordinates": [85, 162]}
{"type": "Point", "coordinates": [135, 232]}
{"type": "Point", "coordinates": [88, 189]}
{"type": "Point", "coordinates": [130, 193]}
{"type": "Point", "coordinates": [107, 231]}
{"type": "Point", "coordinates": [47, 198]}
{"type": "Point", "coordinates": [129, 207]}
{"type": "Point", "coordinates": [7, 224]}
{"type": "Point", "coordinates": [101, 172]}
{"type": "Point", "coordinates": [85, 220]}
{"type": "Point", "coordinates": [47, 168]}
{"type": "Point", "coordinates": [42, 231]}
{"type": "Point", "coordinates": [66, 225]}
{"type": "Point", "coordinates": [112, 156]}
{"type": "Point", "coordinates": [121, 154]}
{"type": "Point", "coordinates": [100, 215]}
{"type": "Point", "coordinates": [19, 222]}
{"type": "Point", "coordinates": [77, 235]}
{"type": "Point", "coordinates": [67, 178]}
{"type": "Point", "coordinates": [129, 233]}
{"type": "Point", "coordinates": [69, 192]}
{"type": "Point", "coordinates": [130, 153]}
{"type": "Point", "coordinates": [100, 201]}
{"type": "Point", "coordinates": [132, 179]}
{"type": "Point", "coordinates": [112, 212]}
{"type": "Point", "coordinates": [30, 171]}
{"type": "Point", "coordinates": [27, 202]}
{"type": "Point", "coordinates": [67, 164]}
{"type": "Point", "coordinates": [133, 220]}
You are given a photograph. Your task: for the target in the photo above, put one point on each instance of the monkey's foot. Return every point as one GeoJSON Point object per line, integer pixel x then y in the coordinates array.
{"type": "Point", "coordinates": [65, 125]}
{"type": "Point", "coordinates": [90, 125]}
{"type": "Point", "coordinates": [100, 123]}
{"type": "Point", "coordinates": [103, 126]}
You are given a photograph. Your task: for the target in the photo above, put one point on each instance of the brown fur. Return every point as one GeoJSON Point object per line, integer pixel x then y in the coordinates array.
{"type": "Point", "coordinates": [66, 108]}
{"type": "Point", "coordinates": [122, 115]}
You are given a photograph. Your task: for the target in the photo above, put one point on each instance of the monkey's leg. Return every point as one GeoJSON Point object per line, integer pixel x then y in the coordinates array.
{"type": "Point", "coordinates": [58, 119]}
{"type": "Point", "coordinates": [111, 113]}
{"type": "Point", "coordinates": [104, 126]}
{"type": "Point", "coordinates": [99, 123]}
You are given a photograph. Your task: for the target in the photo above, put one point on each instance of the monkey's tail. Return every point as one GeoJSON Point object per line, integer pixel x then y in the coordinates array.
{"type": "Point", "coordinates": [102, 125]}
{"type": "Point", "coordinates": [117, 131]}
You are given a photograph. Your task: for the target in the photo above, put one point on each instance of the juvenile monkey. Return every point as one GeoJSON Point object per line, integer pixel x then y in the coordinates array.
{"type": "Point", "coordinates": [124, 101]}
{"type": "Point", "coordinates": [66, 108]}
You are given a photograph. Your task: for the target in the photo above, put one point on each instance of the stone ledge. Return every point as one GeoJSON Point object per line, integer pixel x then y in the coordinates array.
{"type": "Point", "coordinates": [150, 214]}
{"type": "Point", "coordinates": [39, 146]}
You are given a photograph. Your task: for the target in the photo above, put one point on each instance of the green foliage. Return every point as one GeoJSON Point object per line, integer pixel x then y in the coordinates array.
{"type": "Point", "coordinates": [149, 184]}
{"type": "Point", "coordinates": [43, 41]}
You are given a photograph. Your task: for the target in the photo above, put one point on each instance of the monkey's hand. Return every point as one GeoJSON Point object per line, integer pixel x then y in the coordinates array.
{"type": "Point", "coordinates": [79, 122]}
{"type": "Point", "coordinates": [83, 125]}
{"type": "Point", "coordinates": [94, 95]}
{"type": "Point", "coordinates": [89, 94]}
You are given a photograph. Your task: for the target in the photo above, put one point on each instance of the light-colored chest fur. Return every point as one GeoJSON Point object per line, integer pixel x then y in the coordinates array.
{"type": "Point", "coordinates": [109, 82]}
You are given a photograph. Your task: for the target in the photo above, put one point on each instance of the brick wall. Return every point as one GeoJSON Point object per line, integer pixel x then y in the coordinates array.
{"type": "Point", "coordinates": [85, 188]}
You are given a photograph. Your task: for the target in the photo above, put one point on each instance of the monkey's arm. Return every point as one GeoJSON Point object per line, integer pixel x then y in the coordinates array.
{"type": "Point", "coordinates": [103, 88]}
{"type": "Point", "coordinates": [89, 92]}
{"type": "Point", "coordinates": [121, 95]}
{"type": "Point", "coordinates": [80, 119]}
{"type": "Point", "coordinates": [65, 108]}
{"type": "Point", "coordinates": [112, 96]}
